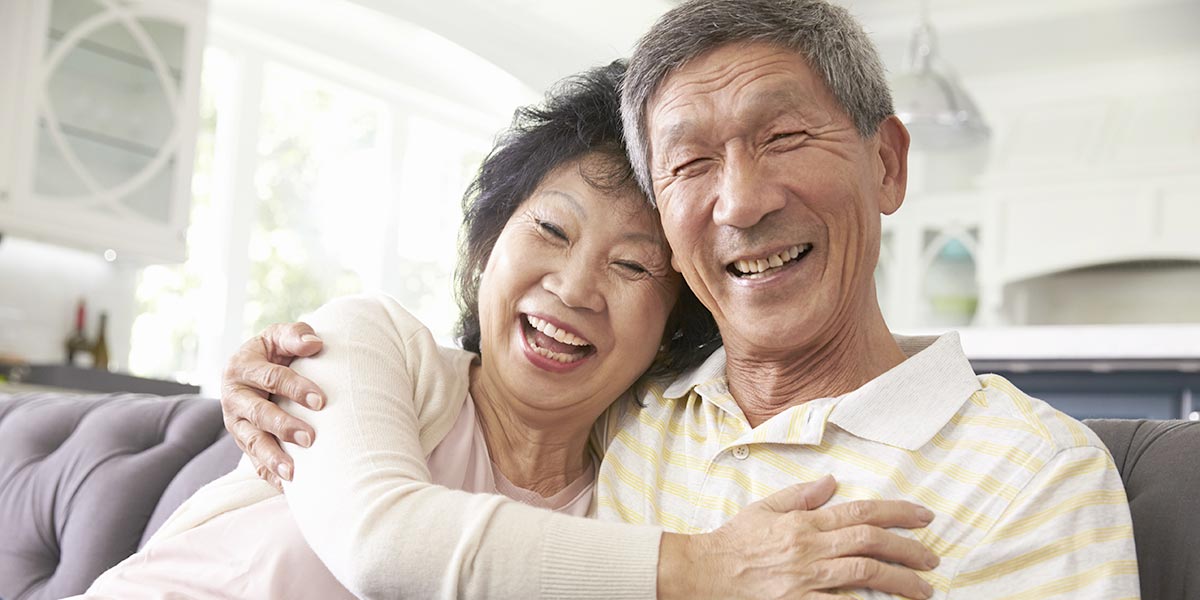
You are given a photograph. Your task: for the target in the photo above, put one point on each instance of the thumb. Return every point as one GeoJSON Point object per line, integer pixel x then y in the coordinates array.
{"type": "Point", "coordinates": [803, 496]}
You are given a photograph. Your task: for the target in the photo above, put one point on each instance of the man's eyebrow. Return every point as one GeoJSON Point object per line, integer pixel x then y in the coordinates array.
{"type": "Point", "coordinates": [677, 132]}
{"type": "Point", "coordinates": [769, 105]}
{"type": "Point", "coordinates": [772, 104]}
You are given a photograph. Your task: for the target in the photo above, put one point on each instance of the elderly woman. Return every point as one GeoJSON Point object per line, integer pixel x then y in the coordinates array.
{"type": "Point", "coordinates": [435, 466]}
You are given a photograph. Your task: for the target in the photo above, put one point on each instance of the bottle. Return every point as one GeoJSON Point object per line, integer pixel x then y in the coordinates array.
{"type": "Point", "coordinates": [100, 348]}
{"type": "Point", "coordinates": [78, 348]}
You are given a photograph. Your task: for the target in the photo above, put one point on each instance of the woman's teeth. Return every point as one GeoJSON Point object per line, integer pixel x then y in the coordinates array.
{"type": "Point", "coordinates": [756, 268]}
{"type": "Point", "coordinates": [556, 333]}
{"type": "Point", "coordinates": [555, 356]}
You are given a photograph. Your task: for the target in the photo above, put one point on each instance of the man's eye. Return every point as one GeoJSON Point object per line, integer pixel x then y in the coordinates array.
{"type": "Point", "coordinates": [552, 229]}
{"type": "Point", "coordinates": [789, 136]}
{"type": "Point", "coordinates": [689, 168]}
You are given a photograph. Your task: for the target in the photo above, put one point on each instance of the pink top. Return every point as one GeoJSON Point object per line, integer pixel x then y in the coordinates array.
{"type": "Point", "coordinates": [258, 551]}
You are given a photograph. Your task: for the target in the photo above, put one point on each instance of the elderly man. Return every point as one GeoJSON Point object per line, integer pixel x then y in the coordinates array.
{"type": "Point", "coordinates": [764, 131]}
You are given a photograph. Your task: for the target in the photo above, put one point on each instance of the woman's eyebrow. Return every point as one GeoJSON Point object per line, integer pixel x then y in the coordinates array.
{"type": "Point", "coordinates": [642, 238]}
{"type": "Point", "coordinates": [571, 201]}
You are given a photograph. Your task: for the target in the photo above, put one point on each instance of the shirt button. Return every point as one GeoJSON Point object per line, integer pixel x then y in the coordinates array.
{"type": "Point", "coordinates": [741, 452]}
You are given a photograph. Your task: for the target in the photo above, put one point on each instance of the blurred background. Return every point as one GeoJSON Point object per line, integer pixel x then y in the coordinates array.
{"type": "Point", "coordinates": [196, 170]}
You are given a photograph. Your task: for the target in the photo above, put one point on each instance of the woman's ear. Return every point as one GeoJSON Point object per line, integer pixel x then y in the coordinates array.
{"type": "Point", "coordinates": [893, 155]}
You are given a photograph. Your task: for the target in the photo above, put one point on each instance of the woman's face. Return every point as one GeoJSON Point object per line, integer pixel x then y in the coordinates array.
{"type": "Point", "coordinates": [575, 295]}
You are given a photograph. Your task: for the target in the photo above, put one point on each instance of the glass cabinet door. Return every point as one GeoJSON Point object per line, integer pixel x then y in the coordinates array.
{"type": "Point", "coordinates": [108, 122]}
{"type": "Point", "coordinates": [949, 287]}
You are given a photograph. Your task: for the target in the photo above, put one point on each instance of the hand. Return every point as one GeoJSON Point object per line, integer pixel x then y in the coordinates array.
{"type": "Point", "coordinates": [783, 546]}
{"type": "Point", "coordinates": [258, 369]}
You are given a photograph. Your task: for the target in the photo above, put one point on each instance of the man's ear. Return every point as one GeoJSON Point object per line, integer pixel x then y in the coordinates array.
{"type": "Point", "coordinates": [893, 155]}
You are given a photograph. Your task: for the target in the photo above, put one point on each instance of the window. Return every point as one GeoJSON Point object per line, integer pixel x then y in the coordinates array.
{"type": "Point", "coordinates": [314, 178]}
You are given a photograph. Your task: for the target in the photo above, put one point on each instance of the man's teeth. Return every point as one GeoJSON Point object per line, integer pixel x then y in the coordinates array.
{"type": "Point", "coordinates": [751, 268]}
{"type": "Point", "coordinates": [556, 333]}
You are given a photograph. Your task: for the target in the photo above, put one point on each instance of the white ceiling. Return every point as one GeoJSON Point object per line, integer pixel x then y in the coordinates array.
{"type": "Point", "coordinates": [539, 41]}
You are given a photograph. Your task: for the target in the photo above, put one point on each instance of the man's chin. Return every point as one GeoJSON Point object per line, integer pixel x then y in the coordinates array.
{"type": "Point", "coordinates": [768, 334]}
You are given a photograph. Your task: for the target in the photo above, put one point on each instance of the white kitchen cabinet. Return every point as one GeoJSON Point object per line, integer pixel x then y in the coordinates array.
{"type": "Point", "coordinates": [101, 119]}
{"type": "Point", "coordinates": [1054, 230]}
{"type": "Point", "coordinates": [954, 260]}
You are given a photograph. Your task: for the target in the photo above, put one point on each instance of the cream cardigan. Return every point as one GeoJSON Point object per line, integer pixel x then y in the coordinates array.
{"type": "Point", "coordinates": [362, 498]}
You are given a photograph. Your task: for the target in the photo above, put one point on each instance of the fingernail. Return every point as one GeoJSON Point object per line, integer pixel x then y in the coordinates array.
{"type": "Point", "coordinates": [926, 588]}
{"type": "Point", "coordinates": [308, 337]}
{"type": "Point", "coordinates": [303, 438]}
{"type": "Point", "coordinates": [285, 471]}
{"type": "Point", "coordinates": [925, 514]}
{"type": "Point", "coordinates": [314, 401]}
{"type": "Point", "coordinates": [932, 561]}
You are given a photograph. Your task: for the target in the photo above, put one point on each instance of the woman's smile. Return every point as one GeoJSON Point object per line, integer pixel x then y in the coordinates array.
{"type": "Point", "coordinates": [550, 346]}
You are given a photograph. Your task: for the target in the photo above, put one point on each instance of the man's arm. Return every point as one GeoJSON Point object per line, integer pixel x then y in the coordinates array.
{"type": "Point", "coordinates": [1067, 534]}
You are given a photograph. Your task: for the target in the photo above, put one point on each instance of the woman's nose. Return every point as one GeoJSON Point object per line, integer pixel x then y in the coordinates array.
{"type": "Point", "coordinates": [575, 286]}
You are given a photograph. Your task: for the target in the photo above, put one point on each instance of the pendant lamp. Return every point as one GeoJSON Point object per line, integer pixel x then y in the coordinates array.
{"type": "Point", "coordinates": [931, 102]}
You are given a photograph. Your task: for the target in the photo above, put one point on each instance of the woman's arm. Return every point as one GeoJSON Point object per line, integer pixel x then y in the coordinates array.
{"type": "Point", "coordinates": [362, 495]}
{"type": "Point", "coordinates": [362, 498]}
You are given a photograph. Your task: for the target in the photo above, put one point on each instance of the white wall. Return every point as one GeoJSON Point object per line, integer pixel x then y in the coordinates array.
{"type": "Point", "coordinates": [39, 286]}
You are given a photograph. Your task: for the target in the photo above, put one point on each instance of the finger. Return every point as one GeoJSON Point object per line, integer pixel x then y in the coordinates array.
{"type": "Point", "coordinates": [881, 544]}
{"type": "Point", "coordinates": [237, 403]}
{"type": "Point", "coordinates": [290, 340]}
{"type": "Point", "coordinates": [263, 449]}
{"type": "Point", "coordinates": [859, 572]}
{"type": "Point", "coordinates": [803, 496]}
{"type": "Point", "coordinates": [880, 513]}
{"type": "Point", "coordinates": [242, 404]}
{"type": "Point", "coordinates": [283, 381]}
{"type": "Point", "coordinates": [267, 416]}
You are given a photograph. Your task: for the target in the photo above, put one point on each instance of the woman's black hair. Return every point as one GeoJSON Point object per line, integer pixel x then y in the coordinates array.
{"type": "Point", "coordinates": [580, 116]}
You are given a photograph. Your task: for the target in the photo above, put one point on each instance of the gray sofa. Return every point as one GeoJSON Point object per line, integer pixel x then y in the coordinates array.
{"type": "Point", "coordinates": [85, 480]}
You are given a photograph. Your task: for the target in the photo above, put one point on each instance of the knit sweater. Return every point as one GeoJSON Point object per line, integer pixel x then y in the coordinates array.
{"type": "Point", "coordinates": [362, 496]}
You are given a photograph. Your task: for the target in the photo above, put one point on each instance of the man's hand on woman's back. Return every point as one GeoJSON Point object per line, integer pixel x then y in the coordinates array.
{"type": "Point", "coordinates": [257, 370]}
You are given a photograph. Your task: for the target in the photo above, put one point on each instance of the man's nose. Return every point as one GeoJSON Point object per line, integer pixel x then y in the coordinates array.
{"type": "Point", "coordinates": [575, 285]}
{"type": "Point", "coordinates": [743, 198]}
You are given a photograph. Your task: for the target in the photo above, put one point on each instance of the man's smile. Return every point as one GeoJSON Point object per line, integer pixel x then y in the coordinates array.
{"type": "Point", "coordinates": [757, 268]}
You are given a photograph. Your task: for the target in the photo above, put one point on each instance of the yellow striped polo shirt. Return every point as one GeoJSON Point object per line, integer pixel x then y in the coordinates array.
{"type": "Point", "coordinates": [1028, 502]}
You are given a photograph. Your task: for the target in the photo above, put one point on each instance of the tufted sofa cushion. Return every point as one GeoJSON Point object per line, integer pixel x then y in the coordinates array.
{"type": "Point", "coordinates": [80, 477]}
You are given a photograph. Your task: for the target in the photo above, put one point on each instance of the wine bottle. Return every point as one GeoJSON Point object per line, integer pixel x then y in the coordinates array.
{"type": "Point", "coordinates": [78, 349]}
{"type": "Point", "coordinates": [100, 348]}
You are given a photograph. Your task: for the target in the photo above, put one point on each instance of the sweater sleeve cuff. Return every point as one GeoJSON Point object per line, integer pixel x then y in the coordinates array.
{"type": "Point", "coordinates": [592, 559]}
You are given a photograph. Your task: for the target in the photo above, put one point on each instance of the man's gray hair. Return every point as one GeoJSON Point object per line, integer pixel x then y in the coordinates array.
{"type": "Point", "coordinates": [827, 36]}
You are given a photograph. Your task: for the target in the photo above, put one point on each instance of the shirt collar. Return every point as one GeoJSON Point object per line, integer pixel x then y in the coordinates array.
{"type": "Point", "coordinates": [709, 371]}
{"type": "Point", "coordinates": [908, 405]}
{"type": "Point", "coordinates": [904, 407]}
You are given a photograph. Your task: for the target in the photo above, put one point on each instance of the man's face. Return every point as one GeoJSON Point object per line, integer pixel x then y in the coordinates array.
{"type": "Point", "coordinates": [769, 197]}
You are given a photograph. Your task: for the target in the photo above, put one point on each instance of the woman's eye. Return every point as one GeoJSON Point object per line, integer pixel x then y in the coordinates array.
{"type": "Point", "coordinates": [633, 267]}
{"type": "Point", "coordinates": [552, 229]}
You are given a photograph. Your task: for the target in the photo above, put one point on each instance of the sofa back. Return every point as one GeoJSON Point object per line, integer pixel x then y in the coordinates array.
{"type": "Point", "coordinates": [85, 480]}
{"type": "Point", "coordinates": [1159, 463]}
{"type": "Point", "coordinates": [80, 477]}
